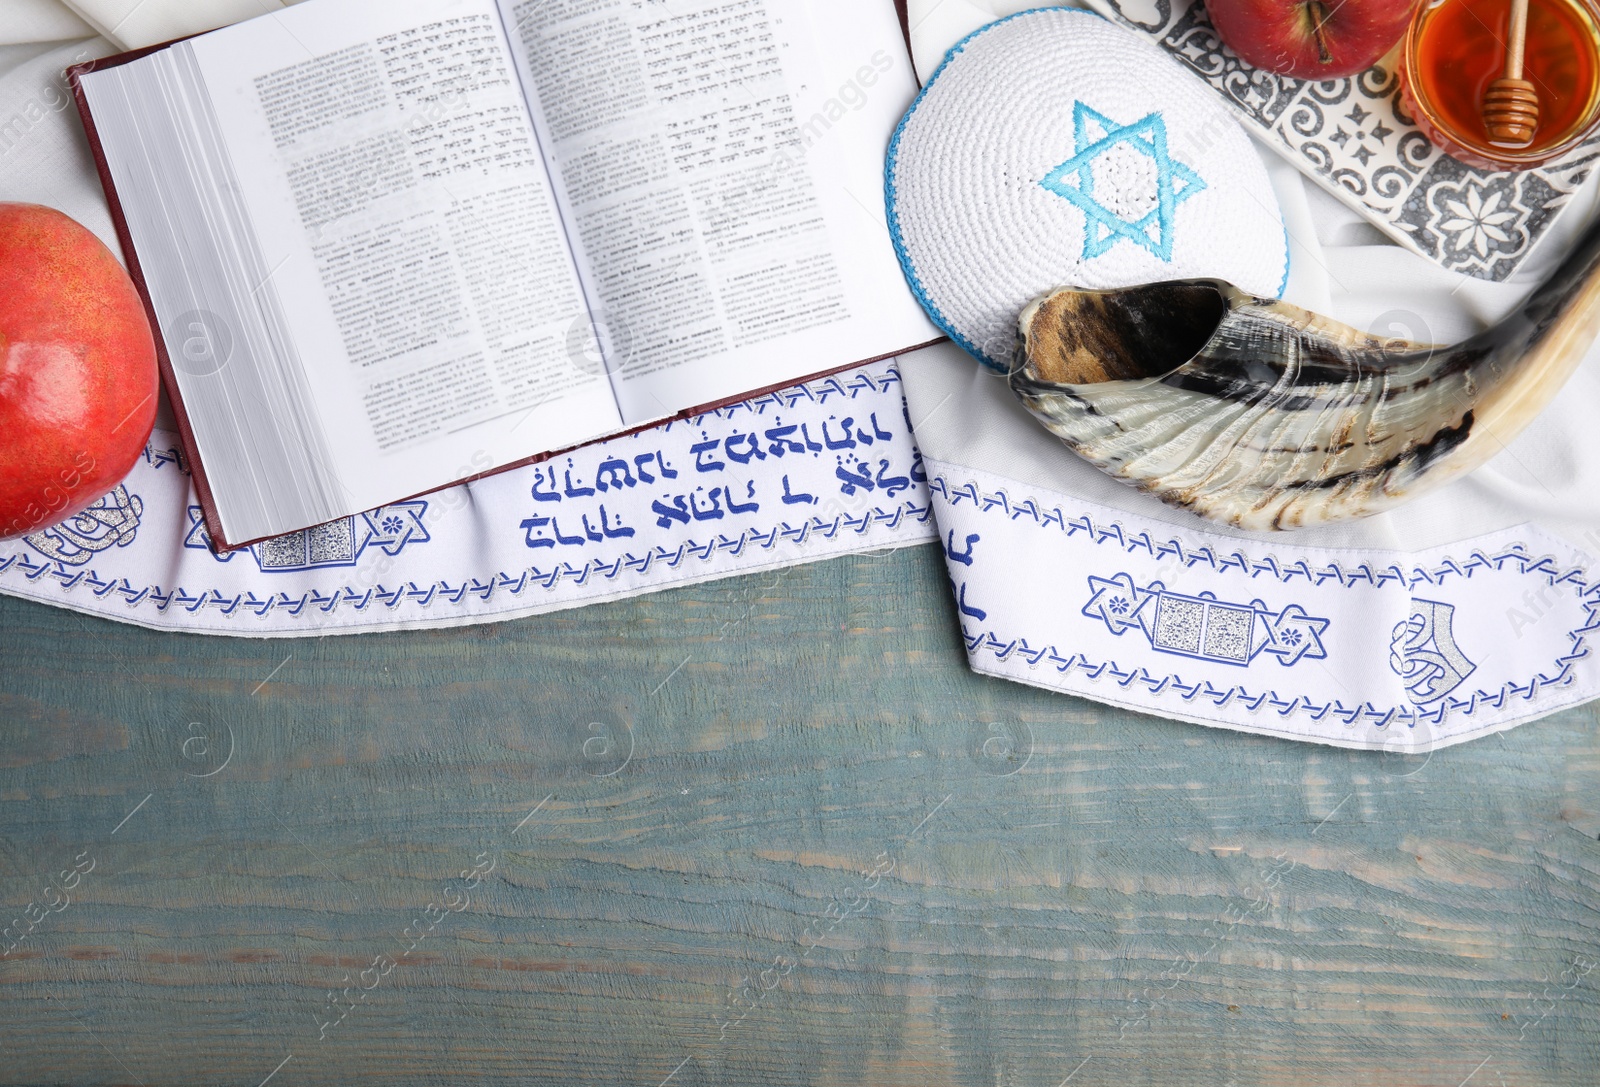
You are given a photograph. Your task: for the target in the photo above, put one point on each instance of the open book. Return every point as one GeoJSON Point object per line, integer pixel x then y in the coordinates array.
{"type": "Point", "coordinates": [393, 244]}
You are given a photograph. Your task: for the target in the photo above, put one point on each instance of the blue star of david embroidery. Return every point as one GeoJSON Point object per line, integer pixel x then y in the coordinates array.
{"type": "Point", "coordinates": [1117, 602]}
{"type": "Point", "coordinates": [1293, 633]}
{"type": "Point", "coordinates": [1074, 180]}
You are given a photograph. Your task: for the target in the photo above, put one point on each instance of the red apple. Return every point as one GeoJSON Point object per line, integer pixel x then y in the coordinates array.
{"type": "Point", "coordinates": [1310, 39]}
{"type": "Point", "coordinates": [77, 369]}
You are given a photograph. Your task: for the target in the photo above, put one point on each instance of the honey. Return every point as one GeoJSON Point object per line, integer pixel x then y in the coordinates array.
{"type": "Point", "coordinates": [1456, 48]}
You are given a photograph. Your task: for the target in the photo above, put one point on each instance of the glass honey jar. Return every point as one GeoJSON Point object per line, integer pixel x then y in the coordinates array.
{"type": "Point", "coordinates": [1454, 49]}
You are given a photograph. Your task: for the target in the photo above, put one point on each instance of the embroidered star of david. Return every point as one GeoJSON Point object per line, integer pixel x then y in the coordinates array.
{"type": "Point", "coordinates": [1094, 134]}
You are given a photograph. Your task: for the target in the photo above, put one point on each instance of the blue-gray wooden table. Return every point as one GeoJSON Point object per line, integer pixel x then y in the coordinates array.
{"type": "Point", "coordinates": [769, 830]}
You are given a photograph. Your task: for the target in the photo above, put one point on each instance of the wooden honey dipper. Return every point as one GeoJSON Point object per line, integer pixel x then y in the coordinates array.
{"type": "Point", "coordinates": [1511, 104]}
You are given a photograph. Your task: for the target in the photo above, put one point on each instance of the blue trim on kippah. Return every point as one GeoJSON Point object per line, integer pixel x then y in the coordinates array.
{"type": "Point", "coordinates": [912, 279]}
{"type": "Point", "coordinates": [1284, 285]}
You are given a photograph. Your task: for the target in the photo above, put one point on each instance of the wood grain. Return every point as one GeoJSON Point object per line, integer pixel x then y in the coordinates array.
{"type": "Point", "coordinates": [786, 837]}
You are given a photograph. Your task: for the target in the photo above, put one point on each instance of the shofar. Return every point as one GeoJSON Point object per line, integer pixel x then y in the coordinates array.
{"type": "Point", "coordinates": [1267, 416]}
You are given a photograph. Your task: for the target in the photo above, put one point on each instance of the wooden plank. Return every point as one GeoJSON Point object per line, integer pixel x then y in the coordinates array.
{"type": "Point", "coordinates": [765, 831]}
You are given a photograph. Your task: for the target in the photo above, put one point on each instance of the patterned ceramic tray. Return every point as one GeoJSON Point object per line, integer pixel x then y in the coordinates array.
{"type": "Point", "coordinates": [1354, 138]}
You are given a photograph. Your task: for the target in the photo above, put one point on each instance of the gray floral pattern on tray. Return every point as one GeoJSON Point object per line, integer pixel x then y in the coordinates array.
{"type": "Point", "coordinates": [1354, 138]}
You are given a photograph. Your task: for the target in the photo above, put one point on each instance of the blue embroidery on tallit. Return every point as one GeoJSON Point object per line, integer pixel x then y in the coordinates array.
{"type": "Point", "coordinates": [337, 543]}
{"type": "Point", "coordinates": [1203, 626]}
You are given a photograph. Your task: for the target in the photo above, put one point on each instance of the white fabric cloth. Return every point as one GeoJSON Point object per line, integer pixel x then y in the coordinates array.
{"type": "Point", "coordinates": [44, 158]}
{"type": "Point", "coordinates": [1486, 624]}
{"type": "Point", "coordinates": [132, 24]}
{"type": "Point", "coordinates": [127, 24]}
{"type": "Point", "coordinates": [40, 21]}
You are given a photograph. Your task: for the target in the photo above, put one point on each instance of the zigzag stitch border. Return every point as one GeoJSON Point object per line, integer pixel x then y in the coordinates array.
{"type": "Point", "coordinates": [426, 595]}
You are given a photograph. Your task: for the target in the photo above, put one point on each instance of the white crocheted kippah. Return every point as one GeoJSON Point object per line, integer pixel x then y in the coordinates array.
{"type": "Point", "coordinates": [1054, 149]}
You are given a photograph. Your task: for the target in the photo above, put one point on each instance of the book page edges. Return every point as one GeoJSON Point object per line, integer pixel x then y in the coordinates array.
{"type": "Point", "coordinates": [169, 380]}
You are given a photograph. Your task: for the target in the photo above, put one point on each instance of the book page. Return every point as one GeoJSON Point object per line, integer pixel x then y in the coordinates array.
{"type": "Point", "coordinates": [409, 238]}
{"type": "Point", "coordinates": [722, 179]}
